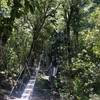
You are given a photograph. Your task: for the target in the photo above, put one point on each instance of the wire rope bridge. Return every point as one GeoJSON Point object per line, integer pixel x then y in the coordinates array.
{"type": "Point", "coordinates": [25, 83]}
{"type": "Point", "coordinates": [24, 90]}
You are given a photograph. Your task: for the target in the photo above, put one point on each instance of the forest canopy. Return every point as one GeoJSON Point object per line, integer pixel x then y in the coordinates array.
{"type": "Point", "coordinates": [65, 30]}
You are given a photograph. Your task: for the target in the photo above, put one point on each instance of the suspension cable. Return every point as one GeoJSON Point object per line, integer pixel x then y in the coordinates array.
{"type": "Point", "coordinates": [16, 81]}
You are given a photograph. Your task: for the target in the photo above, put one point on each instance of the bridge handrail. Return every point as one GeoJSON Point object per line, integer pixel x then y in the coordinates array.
{"type": "Point", "coordinates": [16, 81]}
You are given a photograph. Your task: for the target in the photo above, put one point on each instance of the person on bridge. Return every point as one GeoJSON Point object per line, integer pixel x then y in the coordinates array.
{"type": "Point", "coordinates": [52, 70]}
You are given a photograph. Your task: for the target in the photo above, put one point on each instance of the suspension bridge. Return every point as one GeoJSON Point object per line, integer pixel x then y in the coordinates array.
{"type": "Point", "coordinates": [25, 90]}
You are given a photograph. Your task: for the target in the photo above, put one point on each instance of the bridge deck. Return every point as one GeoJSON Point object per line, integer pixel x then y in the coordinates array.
{"type": "Point", "coordinates": [27, 91]}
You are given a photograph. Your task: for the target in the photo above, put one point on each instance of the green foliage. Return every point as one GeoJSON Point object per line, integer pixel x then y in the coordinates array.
{"type": "Point", "coordinates": [28, 26]}
{"type": "Point", "coordinates": [18, 46]}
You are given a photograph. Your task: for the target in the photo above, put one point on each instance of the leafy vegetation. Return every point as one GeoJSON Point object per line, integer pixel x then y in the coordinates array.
{"type": "Point", "coordinates": [69, 30]}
